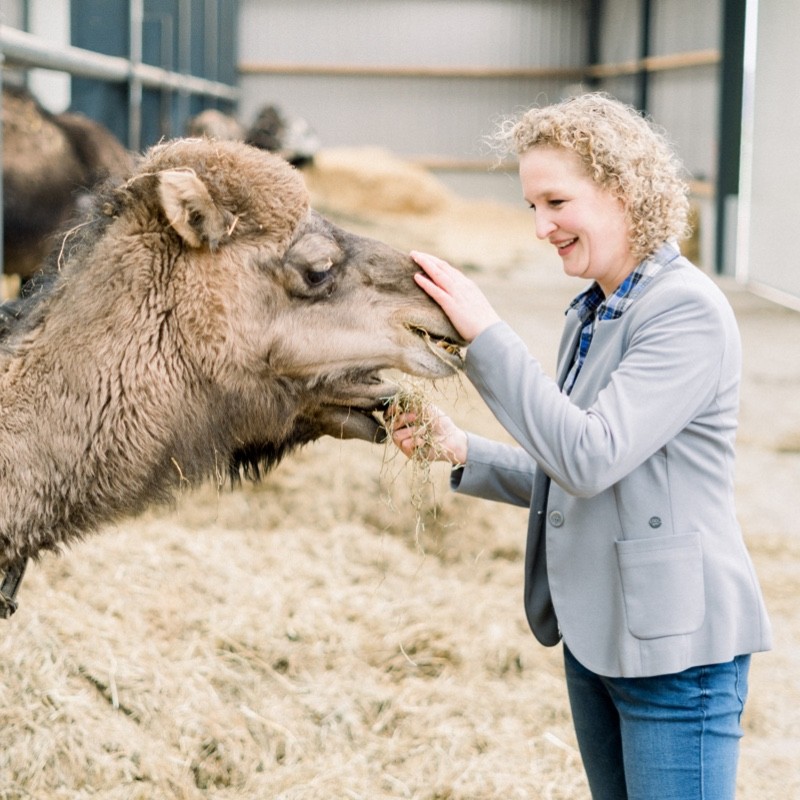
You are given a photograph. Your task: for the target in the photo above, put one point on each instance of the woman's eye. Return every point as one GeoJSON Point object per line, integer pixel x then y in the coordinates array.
{"type": "Point", "coordinates": [556, 203]}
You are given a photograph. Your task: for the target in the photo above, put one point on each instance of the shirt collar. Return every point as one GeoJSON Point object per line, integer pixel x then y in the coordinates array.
{"type": "Point", "coordinates": [593, 304]}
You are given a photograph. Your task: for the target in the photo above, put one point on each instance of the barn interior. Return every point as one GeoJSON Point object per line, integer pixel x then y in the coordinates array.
{"type": "Point", "coordinates": [345, 627]}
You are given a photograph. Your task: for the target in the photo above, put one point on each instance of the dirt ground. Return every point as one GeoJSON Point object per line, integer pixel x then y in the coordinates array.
{"type": "Point", "coordinates": [321, 635]}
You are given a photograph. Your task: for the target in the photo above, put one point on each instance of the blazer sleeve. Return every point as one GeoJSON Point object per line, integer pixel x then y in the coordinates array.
{"type": "Point", "coordinates": [495, 471]}
{"type": "Point", "coordinates": [654, 370]}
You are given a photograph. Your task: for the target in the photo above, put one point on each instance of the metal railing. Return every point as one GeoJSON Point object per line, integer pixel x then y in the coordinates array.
{"type": "Point", "coordinates": [26, 50]}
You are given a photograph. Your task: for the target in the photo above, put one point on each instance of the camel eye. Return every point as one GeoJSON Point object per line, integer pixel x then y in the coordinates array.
{"type": "Point", "coordinates": [317, 274]}
{"type": "Point", "coordinates": [317, 277]}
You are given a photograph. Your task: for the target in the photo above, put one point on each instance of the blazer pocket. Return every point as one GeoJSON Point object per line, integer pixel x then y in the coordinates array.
{"type": "Point", "coordinates": [662, 585]}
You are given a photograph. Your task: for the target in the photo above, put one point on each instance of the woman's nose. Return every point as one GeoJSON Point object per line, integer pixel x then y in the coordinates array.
{"type": "Point", "coordinates": [544, 225]}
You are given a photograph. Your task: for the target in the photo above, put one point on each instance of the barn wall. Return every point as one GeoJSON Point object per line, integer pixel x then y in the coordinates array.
{"type": "Point", "coordinates": [685, 101]}
{"type": "Point", "coordinates": [619, 43]}
{"type": "Point", "coordinates": [192, 43]}
{"type": "Point", "coordinates": [431, 117]}
{"type": "Point", "coordinates": [192, 37]}
{"type": "Point", "coordinates": [438, 118]}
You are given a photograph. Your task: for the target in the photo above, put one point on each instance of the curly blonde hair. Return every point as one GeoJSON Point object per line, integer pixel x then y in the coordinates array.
{"type": "Point", "coordinates": [622, 151]}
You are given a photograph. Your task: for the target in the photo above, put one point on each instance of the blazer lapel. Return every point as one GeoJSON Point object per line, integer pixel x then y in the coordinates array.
{"type": "Point", "coordinates": [569, 344]}
{"type": "Point", "coordinates": [538, 602]}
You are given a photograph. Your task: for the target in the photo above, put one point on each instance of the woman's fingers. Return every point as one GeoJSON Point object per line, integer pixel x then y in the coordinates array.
{"type": "Point", "coordinates": [437, 269]}
{"type": "Point", "coordinates": [430, 434]}
{"type": "Point", "coordinates": [459, 297]}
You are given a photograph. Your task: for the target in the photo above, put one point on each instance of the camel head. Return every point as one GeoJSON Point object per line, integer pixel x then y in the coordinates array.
{"type": "Point", "coordinates": [200, 319]}
{"type": "Point", "coordinates": [348, 310]}
{"type": "Point", "coordinates": [296, 300]}
{"type": "Point", "coordinates": [239, 321]}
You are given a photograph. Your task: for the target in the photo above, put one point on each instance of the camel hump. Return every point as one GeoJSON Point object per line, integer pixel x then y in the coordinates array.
{"type": "Point", "coordinates": [189, 208]}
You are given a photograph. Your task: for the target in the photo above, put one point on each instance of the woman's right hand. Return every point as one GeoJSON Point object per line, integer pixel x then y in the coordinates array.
{"type": "Point", "coordinates": [459, 296]}
{"type": "Point", "coordinates": [429, 433]}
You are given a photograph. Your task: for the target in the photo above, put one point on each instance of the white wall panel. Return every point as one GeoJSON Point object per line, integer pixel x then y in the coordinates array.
{"type": "Point", "coordinates": [424, 32]}
{"type": "Point", "coordinates": [428, 118]}
{"type": "Point", "coordinates": [771, 167]}
{"type": "Point", "coordinates": [12, 13]}
{"type": "Point", "coordinates": [50, 20]}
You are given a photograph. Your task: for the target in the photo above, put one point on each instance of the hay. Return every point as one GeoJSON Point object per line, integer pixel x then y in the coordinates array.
{"type": "Point", "coordinates": [279, 664]}
{"type": "Point", "coordinates": [292, 640]}
{"type": "Point", "coordinates": [375, 179]}
{"type": "Point", "coordinates": [414, 396]}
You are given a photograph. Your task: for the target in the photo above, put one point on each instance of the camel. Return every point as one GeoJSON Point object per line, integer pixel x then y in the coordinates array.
{"type": "Point", "coordinates": [285, 134]}
{"type": "Point", "coordinates": [215, 124]}
{"type": "Point", "coordinates": [272, 129]}
{"type": "Point", "coordinates": [201, 321]}
{"type": "Point", "coordinates": [50, 163]}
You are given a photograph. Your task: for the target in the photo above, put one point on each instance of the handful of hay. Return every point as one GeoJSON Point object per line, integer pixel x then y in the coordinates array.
{"type": "Point", "coordinates": [413, 398]}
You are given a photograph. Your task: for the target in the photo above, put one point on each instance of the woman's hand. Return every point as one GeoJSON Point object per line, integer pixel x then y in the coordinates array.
{"type": "Point", "coordinates": [460, 298]}
{"type": "Point", "coordinates": [429, 433]}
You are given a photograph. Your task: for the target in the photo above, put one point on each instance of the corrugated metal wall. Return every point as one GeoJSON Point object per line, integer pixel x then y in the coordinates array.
{"type": "Point", "coordinates": [416, 107]}
{"type": "Point", "coordinates": [682, 51]}
{"type": "Point", "coordinates": [421, 107]}
{"type": "Point", "coordinates": [685, 99]}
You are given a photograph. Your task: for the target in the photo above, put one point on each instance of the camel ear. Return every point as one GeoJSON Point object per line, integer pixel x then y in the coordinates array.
{"type": "Point", "coordinates": [190, 209]}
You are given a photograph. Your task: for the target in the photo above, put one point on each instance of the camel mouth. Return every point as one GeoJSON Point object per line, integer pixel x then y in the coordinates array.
{"type": "Point", "coordinates": [445, 348]}
{"type": "Point", "coordinates": [376, 429]}
{"type": "Point", "coordinates": [356, 410]}
{"type": "Point", "coordinates": [368, 397]}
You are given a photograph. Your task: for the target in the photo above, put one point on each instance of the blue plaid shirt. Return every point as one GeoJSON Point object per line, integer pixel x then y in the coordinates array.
{"type": "Point", "coordinates": [592, 305]}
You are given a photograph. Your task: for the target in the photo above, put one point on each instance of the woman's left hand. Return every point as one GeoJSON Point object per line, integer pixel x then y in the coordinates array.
{"type": "Point", "coordinates": [460, 298]}
{"type": "Point", "coordinates": [429, 432]}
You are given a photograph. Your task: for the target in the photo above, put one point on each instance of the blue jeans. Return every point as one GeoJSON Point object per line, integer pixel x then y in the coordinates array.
{"type": "Point", "coordinates": [669, 737]}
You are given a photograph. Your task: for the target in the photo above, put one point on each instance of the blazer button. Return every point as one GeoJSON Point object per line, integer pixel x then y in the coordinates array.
{"type": "Point", "coordinates": [556, 519]}
{"type": "Point", "coordinates": [654, 522]}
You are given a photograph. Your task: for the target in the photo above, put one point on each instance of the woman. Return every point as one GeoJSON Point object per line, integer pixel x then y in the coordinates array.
{"type": "Point", "coordinates": [634, 555]}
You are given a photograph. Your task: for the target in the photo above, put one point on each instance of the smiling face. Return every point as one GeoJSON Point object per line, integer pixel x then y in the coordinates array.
{"type": "Point", "coordinates": [586, 224]}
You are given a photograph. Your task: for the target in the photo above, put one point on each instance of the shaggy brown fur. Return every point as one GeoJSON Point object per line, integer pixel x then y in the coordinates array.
{"type": "Point", "coordinates": [50, 162]}
{"type": "Point", "coordinates": [203, 321]}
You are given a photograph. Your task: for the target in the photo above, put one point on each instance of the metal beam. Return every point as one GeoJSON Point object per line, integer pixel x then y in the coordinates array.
{"type": "Point", "coordinates": [594, 41]}
{"type": "Point", "coordinates": [643, 79]}
{"type": "Point", "coordinates": [729, 128]}
{"type": "Point", "coordinates": [26, 50]}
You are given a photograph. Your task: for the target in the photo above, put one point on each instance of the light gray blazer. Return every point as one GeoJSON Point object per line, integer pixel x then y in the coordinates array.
{"type": "Point", "coordinates": [634, 553]}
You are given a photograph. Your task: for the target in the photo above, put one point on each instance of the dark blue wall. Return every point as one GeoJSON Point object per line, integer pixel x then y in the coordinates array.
{"type": "Point", "coordinates": [207, 50]}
